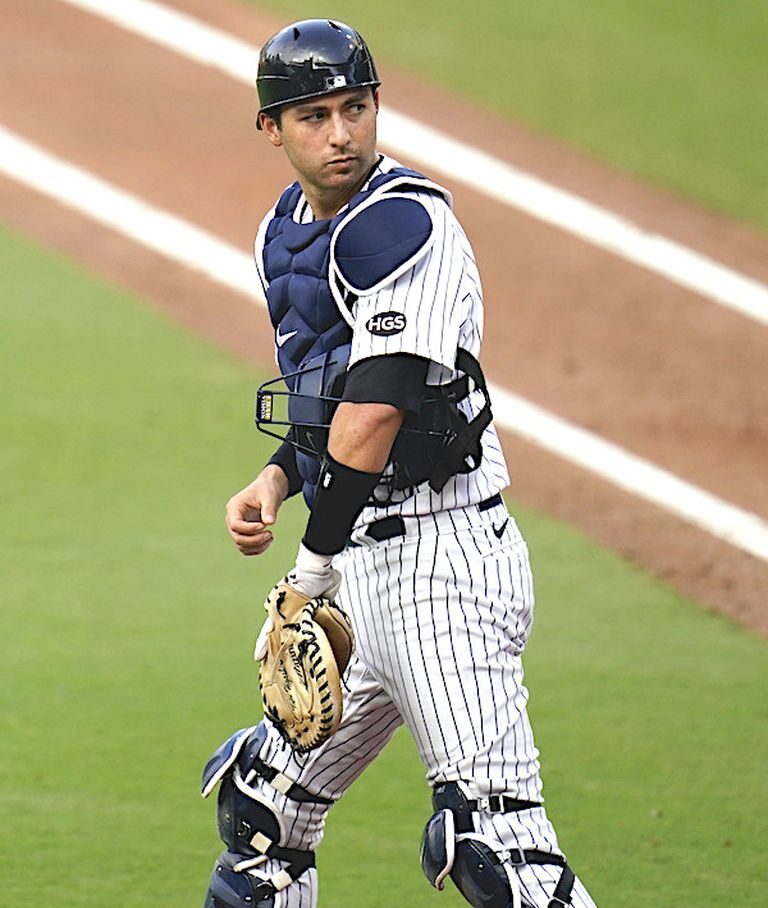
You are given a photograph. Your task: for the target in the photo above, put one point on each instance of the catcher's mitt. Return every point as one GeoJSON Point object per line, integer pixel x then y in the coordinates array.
{"type": "Point", "coordinates": [303, 648]}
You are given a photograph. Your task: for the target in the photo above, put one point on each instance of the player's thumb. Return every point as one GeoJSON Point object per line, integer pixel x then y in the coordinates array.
{"type": "Point", "coordinates": [269, 510]}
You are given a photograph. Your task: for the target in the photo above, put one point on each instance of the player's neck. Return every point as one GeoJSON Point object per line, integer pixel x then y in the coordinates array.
{"type": "Point", "coordinates": [326, 204]}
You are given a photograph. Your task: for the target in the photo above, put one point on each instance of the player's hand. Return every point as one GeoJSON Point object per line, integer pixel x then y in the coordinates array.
{"type": "Point", "coordinates": [252, 511]}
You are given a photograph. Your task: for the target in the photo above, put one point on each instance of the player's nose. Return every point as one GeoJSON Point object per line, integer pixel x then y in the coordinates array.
{"type": "Point", "coordinates": [338, 130]}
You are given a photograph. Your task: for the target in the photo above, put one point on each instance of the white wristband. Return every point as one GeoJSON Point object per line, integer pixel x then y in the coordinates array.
{"type": "Point", "coordinates": [307, 560]}
{"type": "Point", "coordinates": [313, 574]}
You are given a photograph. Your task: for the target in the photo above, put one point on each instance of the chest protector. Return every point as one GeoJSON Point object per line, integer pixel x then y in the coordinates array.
{"type": "Point", "coordinates": [313, 335]}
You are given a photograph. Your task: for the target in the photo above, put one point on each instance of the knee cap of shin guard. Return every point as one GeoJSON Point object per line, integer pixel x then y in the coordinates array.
{"type": "Point", "coordinates": [222, 759]}
{"type": "Point", "coordinates": [438, 848]}
{"type": "Point", "coordinates": [242, 747]}
{"type": "Point", "coordinates": [230, 889]}
{"type": "Point", "coordinates": [479, 877]}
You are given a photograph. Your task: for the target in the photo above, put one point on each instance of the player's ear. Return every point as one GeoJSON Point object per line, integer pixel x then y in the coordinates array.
{"type": "Point", "coordinates": [376, 99]}
{"type": "Point", "coordinates": [271, 129]}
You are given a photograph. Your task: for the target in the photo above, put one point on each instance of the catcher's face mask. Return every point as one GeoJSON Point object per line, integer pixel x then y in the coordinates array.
{"type": "Point", "coordinates": [306, 403]}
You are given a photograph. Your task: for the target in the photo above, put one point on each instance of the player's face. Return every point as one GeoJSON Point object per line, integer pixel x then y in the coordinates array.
{"type": "Point", "coordinates": [331, 143]}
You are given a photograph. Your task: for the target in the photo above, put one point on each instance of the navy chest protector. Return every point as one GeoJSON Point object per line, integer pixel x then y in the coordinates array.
{"type": "Point", "coordinates": [313, 335]}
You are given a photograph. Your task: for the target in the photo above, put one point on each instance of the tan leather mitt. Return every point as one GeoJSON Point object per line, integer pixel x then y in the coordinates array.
{"type": "Point", "coordinates": [303, 649]}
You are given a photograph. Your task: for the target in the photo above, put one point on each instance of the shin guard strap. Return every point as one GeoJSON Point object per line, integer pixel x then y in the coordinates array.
{"type": "Point", "coordinates": [561, 897]}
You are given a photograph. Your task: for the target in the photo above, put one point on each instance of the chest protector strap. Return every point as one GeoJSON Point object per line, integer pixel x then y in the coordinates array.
{"type": "Point", "coordinates": [463, 452]}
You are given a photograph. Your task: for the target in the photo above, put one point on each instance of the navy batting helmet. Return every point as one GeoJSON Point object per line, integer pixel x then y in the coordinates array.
{"type": "Point", "coordinates": [312, 58]}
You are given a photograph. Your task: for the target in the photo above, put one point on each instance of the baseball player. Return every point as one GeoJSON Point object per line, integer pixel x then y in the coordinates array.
{"type": "Point", "coordinates": [376, 305]}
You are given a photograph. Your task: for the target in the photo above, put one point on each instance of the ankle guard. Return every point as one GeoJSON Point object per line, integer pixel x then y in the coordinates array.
{"type": "Point", "coordinates": [230, 888]}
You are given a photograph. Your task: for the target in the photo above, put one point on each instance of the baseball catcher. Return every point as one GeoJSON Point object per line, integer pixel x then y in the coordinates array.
{"type": "Point", "coordinates": [375, 301]}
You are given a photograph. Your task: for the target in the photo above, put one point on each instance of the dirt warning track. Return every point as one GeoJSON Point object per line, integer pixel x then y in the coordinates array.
{"type": "Point", "coordinates": [661, 371]}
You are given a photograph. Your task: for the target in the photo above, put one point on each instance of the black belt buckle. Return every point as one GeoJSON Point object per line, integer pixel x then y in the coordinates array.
{"type": "Point", "coordinates": [386, 528]}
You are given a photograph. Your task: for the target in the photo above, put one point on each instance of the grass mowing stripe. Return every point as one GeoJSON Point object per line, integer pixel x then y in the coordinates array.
{"type": "Point", "coordinates": [675, 91]}
{"type": "Point", "coordinates": [128, 622]}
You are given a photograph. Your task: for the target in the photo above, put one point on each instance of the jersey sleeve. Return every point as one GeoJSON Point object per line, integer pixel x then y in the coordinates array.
{"type": "Point", "coordinates": [419, 309]}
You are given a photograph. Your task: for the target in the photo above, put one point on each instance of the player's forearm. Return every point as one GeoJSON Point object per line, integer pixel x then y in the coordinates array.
{"type": "Point", "coordinates": [360, 442]}
{"type": "Point", "coordinates": [362, 435]}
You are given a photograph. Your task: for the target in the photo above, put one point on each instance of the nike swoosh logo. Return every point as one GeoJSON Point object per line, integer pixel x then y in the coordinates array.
{"type": "Point", "coordinates": [280, 339]}
{"type": "Point", "coordinates": [497, 533]}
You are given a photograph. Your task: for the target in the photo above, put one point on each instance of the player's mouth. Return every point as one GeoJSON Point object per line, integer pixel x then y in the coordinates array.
{"type": "Point", "coordinates": [342, 162]}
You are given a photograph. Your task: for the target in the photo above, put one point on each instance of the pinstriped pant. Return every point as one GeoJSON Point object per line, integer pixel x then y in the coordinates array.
{"type": "Point", "coordinates": [441, 617]}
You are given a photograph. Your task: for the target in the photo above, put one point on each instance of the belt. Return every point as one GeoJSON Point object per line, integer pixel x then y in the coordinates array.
{"type": "Point", "coordinates": [390, 527]}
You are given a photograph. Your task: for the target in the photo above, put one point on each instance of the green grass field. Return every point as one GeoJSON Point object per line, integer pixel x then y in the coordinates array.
{"type": "Point", "coordinates": [127, 624]}
{"type": "Point", "coordinates": [674, 91]}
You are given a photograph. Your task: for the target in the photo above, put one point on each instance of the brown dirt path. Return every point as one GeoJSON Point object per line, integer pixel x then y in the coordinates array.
{"type": "Point", "coordinates": [605, 344]}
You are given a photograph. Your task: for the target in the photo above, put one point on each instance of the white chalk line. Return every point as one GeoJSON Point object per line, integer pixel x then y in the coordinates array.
{"type": "Point", "coordinates": [464, 164]}
{"type": "Point", "coordinates": [200, 251]}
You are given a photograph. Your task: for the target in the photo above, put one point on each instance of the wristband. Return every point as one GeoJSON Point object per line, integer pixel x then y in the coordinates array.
{"type": "Point", "coordinates": [340, 496]}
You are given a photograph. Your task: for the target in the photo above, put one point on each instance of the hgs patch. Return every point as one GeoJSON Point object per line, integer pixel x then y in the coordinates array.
{"type": "Point", "coordinates": [385, 324]}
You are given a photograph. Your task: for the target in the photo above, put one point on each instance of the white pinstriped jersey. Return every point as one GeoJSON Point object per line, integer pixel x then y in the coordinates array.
{"type": "Point", "coordinates": [440, 300]}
